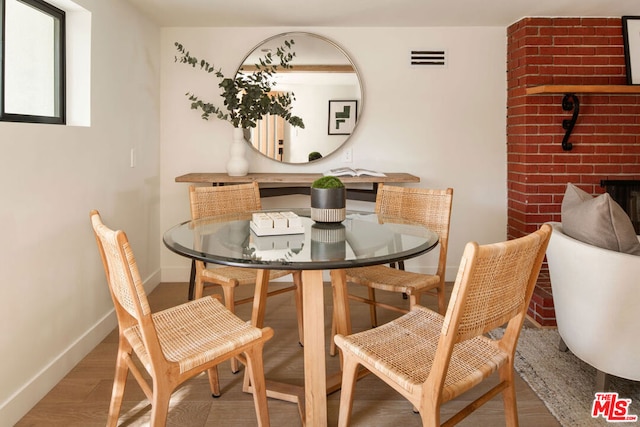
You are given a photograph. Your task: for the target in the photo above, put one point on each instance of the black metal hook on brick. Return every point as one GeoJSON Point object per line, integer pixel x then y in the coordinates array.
{"type": "Point", "coordinates": [569, 102]}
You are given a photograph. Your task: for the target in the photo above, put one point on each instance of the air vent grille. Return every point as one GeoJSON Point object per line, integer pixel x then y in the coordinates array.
{"type": "Point", "coordinates": [428, 57]}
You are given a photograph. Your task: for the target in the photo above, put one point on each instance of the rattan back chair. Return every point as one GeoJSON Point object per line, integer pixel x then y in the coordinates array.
{"type": "Point", "coordinates": [230, 199]}
{"type": "Point", "coordinates": [176, 344]}
{"type": "Point", "coordinates": [431, 208]}
{"type": "Point", "coordinates": [431, 359]}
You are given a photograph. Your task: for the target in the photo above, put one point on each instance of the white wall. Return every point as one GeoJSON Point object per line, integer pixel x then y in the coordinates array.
{"type": "Point", "coordinates": [54, 301]}
{"type": "Point", "coordinates": [445, 125]}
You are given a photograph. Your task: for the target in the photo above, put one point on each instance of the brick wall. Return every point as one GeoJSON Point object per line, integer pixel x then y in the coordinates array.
{"type": "Point", "coordinates": [606, 137]}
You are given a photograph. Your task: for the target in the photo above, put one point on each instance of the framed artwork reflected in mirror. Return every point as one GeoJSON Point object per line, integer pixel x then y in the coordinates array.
{"type": "Point", "coordinates": [342, 117]}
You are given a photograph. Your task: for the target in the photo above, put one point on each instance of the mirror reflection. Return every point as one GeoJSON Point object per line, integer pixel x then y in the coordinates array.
{"type": "Point", "coordinates": [328, 98]}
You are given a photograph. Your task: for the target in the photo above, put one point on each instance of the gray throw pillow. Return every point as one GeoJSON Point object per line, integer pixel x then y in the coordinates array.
{"type": "Point", "coordinates": [598, 221]}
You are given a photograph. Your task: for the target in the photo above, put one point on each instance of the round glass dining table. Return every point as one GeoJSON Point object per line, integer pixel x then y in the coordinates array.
{"type": "Point", "coordinates": [362, 239]}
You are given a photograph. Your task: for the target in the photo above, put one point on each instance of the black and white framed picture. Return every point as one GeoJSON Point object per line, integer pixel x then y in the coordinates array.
{"type": "Point", "coordinates": [342, 117]}
{"type": "Point", "coordinates": [631, 36]}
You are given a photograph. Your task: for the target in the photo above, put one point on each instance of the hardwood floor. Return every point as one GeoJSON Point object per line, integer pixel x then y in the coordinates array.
{"type": "Point", "coordinates": [82, 397]}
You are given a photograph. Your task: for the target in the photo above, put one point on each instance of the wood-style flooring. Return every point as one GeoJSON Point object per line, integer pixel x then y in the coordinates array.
{"type": "Point", "coordinates": [82, 397]}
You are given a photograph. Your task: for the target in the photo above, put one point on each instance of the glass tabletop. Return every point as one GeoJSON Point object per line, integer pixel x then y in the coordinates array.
{"type": "Point", "coordinates": [362, 239]}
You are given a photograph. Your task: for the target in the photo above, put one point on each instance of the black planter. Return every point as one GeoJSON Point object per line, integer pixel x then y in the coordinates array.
{"type": "Point", "coordinates": [328, 204]}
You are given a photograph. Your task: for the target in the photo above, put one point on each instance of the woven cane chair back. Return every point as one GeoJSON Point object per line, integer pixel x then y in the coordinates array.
{"type": "Point", "coordinates": [499, 283]}
{"type": "Point", "coordinates": [431, 208]}
{"type": "Point", "coordinates": [121, 269]}
{"type": "Point", "coordinates": [228, 199]}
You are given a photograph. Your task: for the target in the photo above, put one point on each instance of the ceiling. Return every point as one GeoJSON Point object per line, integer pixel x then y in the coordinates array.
{"type": "Point", "coordinates": [371, 13]}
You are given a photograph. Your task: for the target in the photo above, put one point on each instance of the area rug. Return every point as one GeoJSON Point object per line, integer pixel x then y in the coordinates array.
{"type": "Point", "coordinates": [563, 382]}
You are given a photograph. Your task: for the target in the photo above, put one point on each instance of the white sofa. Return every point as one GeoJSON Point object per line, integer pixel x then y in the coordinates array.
{"type": "Point", "coordinates": [596, 294]}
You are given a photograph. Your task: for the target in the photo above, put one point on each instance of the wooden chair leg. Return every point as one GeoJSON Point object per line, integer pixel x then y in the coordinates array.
{"type": "Point", "coordinates": [349, 371]}
{"type": "Point", "coordinates": [332, 343]}
{"type": "Point", "coordinates": [297, 281]}
{"type": "Point", "coordinates": [255, 367]}
{"type": "Point", "coordinates": [414, 299]}
{"type": "Point", "coordinates": [372, 308]}
{"type": "Point", "coordinates": [119, 382]}
{"type": "Point", "coordinates": [160, 405]}
{"type": "Point", "coordinates": [230, 303]}
{"type": "Point", "coordinates": [430, 414]}
{"type": "Point", "coordinates": [442, 304]}
{"type": "Point", "coordinates": [214, 383]}
{"type": "Point", "coordinates": [229, 295]}
{"type": "Point", "coordinates": [509, 396]}
{"type": "Point", "coordinates": [198, 285]}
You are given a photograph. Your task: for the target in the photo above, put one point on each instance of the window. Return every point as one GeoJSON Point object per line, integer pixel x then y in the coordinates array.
{"type": "Point", "coordinates": [32, 75]}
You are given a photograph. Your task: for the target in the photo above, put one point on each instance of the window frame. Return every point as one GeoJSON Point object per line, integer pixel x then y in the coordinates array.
{"type": "Point", "coordinates": [59, 66]}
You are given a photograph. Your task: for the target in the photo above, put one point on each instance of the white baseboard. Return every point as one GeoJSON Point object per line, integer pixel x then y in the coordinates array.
{"type": "Point", "coordinates": [21, 402]}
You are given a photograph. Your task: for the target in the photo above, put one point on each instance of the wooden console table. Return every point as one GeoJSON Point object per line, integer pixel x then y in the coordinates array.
{"type": "Point", "coordinates": [299, 183]}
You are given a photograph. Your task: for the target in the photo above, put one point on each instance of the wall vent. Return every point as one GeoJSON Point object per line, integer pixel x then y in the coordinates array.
{"type": "Point", "coordinates": [428, 57]}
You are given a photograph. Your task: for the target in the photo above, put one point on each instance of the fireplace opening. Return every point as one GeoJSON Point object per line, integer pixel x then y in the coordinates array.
{"type": "Point", "coordinates": [627, 194]}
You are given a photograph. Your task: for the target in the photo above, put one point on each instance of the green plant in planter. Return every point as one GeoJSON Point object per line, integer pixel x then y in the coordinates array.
{"type": "Point", "coordinates": [327, 182]}
{"type": "Point", "coordinates": [247, 97]}
{"type": "Point", "coordinates": [328, 200]}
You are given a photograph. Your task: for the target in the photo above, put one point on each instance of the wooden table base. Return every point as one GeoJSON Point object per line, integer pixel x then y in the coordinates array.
{"type": "Point", "coordinates": [312, 397]}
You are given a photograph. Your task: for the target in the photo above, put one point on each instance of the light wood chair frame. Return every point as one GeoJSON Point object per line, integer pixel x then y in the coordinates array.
{"type": "Point", "coordinates": [230, 199]}
{"type": "Point", "coordinates": [430, 359]}
{"type": "Point", "coordinates": [167, 357]}
{"type": "Point", "coordinates": [429, 207]}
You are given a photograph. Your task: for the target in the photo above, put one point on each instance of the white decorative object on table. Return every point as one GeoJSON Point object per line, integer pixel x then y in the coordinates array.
{"type": "Point", "coordinates": [276, 223]}
{"type": "Point", "coordinates": [237, 165]}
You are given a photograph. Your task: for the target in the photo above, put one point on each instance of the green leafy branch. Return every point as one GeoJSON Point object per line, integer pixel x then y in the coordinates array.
{"type": "Point", "coordinates": [247, 96]}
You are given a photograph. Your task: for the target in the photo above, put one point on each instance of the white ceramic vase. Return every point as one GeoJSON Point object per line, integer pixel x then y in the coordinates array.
{"type": "Point", "coordinates": [238, 165]}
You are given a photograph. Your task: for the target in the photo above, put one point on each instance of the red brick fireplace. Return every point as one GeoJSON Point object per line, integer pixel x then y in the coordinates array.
{"type": "Point", "coordinates": [606, 136]}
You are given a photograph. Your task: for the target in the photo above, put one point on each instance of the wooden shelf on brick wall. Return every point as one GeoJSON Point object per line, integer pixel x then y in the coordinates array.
{"type": "Point", "coordinates": [570, 100]}
{"type": "Point", "coordinates": [559, 89]}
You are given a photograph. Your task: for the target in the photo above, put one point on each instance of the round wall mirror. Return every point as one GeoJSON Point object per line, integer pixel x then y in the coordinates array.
{"type": "Point", "coordinates": [328, 98]}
